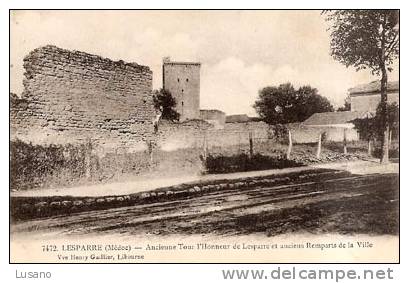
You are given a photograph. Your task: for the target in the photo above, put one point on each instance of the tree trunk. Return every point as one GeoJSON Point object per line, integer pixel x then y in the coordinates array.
{"type": "Point", "coordinates": [251, 144]}
{"type": "Point", "coordinates": [384, 104]}
{"type": "Point", "coordinates": [384, 119]}
{"type": "Point", "coordinates": [290, 144]}
{"type": "Point", "coordinates": [205, 148]}
{"type": "Point", "coordinates": [369, 147]}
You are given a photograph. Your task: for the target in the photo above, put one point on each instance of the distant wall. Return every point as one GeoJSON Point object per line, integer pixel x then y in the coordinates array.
{"type": "Point", "coordinates": [70, 96]}
{"type": "Point", "coordinates": [303, 134]}
{"type": "Point", "coordinates": [192, 133]}
{"type": "Point", "coordinates": [235, 136]}
{"type": "Point", "coordinates": [189, 134]}
{"type": "Point", "coordinates": [214, 117]}
{"type": "Point", "coordinates": [238, 133]}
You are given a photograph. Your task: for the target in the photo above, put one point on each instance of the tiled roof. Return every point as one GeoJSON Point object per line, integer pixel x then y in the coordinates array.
{"type": "Point", "coordinates": [210, 111]}
{"type": "Point", "coordinates": [240, 118]}
{"type": "Point", "coordinates": [331, 118]}
{"type": "Point", "coordinates": [374, 86]}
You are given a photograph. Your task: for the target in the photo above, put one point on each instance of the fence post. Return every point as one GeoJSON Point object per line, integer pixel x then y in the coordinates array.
{"type": "Point", "coordinates": [345, 141]}
{"type": "Point", "coordinates": [390, 136]}
{"type": "Point", "coordinates": [369, 147]}
{"type": "Point", "coordinates": [205, 147]}
{"type": "Point", "coordinates": [290, 144]}
{"type": "Point", "coordinates": [251, 144]}
{"type": "Point", "coordinates": [319, 146]}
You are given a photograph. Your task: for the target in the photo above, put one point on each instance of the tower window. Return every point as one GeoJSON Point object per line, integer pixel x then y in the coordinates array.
{"type": "Point", "coordinates": [182, 103]}
{"type": "Point", "coordinates": [178, 80]}
{"type": "Point", "coordinates": [182, 90]}
{"type": "Point", "coordinates": [187, 80]}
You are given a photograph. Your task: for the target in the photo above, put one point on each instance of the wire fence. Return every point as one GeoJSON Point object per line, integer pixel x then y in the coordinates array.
{"type": "Point", "coordinates": [343, 141]}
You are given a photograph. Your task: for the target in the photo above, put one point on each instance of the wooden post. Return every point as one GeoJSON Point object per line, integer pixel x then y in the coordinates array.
{"type": "Point", "coordinates": [251, 144]}
{"type": "Point", "coordinates": [345, 141]}
{"type": "Point", "coordinates": [369, 147]}
{"type": "Point", "coordinates": [319, 146]}
{"type": "Point", "coordinates": [205, 148]}
{"type": "Point", "coordinates": [290, 144]}
{"type": "Point", "coordinates": [390, 136]}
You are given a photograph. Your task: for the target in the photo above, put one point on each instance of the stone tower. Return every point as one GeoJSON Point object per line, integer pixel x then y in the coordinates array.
{"type": "Point", "coordinates": [182, 80]}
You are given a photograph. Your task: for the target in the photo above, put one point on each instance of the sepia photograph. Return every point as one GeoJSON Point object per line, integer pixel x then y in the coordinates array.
{"type": "Point", "coordinates": [204, 136]}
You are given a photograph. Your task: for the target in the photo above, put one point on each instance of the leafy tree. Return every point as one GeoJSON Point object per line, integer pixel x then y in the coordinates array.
{"type": "Point", "coordinates": [367, 128]}
{"type": "Point", "coordinates": [370, 127]}
{"type": "Point", "coordinates": [165, 102]}
{"type": "Point", "coordinates": [367, 39]}
{"type": "Point", "coordinates": [393, 117]}
{"type": "Point", "coordinates": [285, 104]}
{"type": "Point", "coordinates": [346, 106]}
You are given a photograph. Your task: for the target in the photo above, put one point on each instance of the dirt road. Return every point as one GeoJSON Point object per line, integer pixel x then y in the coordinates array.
{"type": "Point", "coordinates": [333, 202]}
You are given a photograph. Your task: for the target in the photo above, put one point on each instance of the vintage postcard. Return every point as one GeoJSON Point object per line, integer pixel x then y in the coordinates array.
{"type": "Point", "coordinates": [204, 136]}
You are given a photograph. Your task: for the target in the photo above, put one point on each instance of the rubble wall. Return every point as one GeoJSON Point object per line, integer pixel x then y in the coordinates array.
{"type": "Point", "coordinates": [71, 96]}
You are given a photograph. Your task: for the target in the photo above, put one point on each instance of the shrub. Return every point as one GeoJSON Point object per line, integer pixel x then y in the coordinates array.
{"type": "Point", "coordinates": [242, 162]}
{"type": "Point", "coordinates": [393, 152]}
{"type": "Point", "coordinates": [41, 166]}
{"type": "Point", "coordinates": [32, 166]}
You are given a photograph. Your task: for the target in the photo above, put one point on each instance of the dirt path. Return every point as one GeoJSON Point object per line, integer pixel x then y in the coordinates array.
{"type": "Point", "coordinates": [154, 182]}
{"type": "Point", "coordinates": [336, 202]}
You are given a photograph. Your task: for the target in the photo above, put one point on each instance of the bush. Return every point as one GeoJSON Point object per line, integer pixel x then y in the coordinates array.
{"type": "Point", "coordinates": [242, 163]}
{"type": "Point", "coordinates": [393, 152]}
{"type": "Point", "coordinates": [278, 133]}
{"type": "Point", "coordinates": [44, 166]}
{"type": "Point", "coordinates": [32, 166]}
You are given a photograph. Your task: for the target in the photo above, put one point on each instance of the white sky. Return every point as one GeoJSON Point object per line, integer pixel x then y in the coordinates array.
{"type": "Point", "coordinates": [241, 52]}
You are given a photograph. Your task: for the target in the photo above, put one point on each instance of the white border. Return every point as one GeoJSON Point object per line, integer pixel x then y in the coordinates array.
{"type": "Point", "coordinates": [172, 272]}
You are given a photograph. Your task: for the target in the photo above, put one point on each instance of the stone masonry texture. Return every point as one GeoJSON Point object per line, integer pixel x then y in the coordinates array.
{"type": "Point", "coordinates": [72, 96]}
{"type": "Point", "coordinates": [182, 80]}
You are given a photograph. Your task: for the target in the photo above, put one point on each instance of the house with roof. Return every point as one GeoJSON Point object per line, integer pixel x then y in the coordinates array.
{"type": "Point", "coordinates": [336, 125]}
{"type": "Point", "coordinates": [366, 97]}
{"type": "Point", "coordinates": [237, 118]}
{"type": "Point", "coordinates": [364, 101]}
{"type": "Point", "coordinates": [241, 118]}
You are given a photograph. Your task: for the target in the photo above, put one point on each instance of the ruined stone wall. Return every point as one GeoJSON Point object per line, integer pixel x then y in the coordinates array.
{"type": "Point", "coordinates": [70, 96]}
{"type": "Point", "coordinates": [188, 134]}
